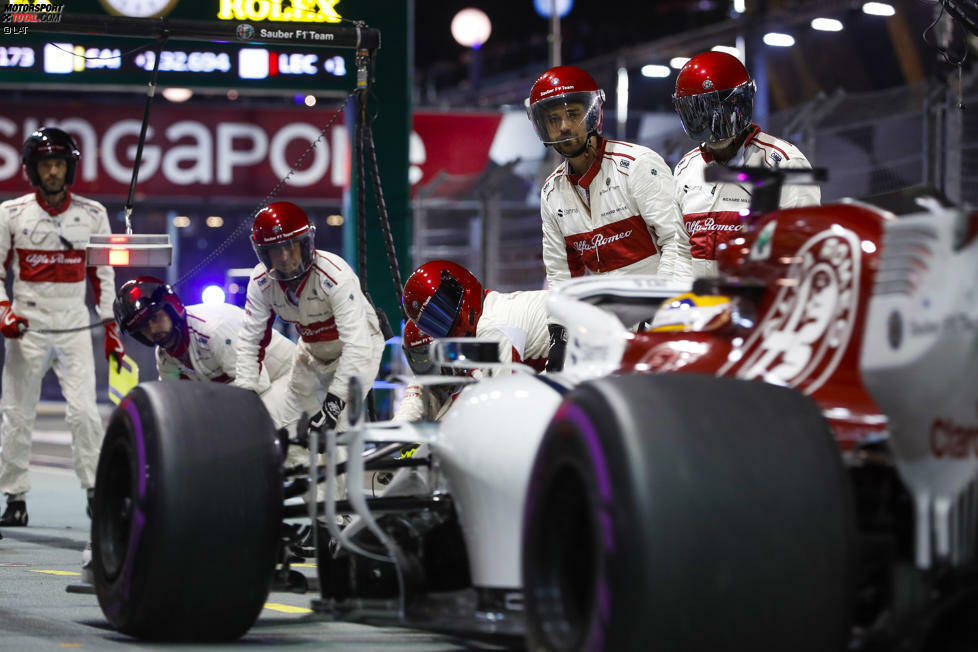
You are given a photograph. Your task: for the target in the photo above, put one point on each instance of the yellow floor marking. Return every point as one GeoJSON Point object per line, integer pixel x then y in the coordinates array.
{"type": "Point", "coordinates": [303, 565]}
{"type": "Point", "coordinates": [54, 572]}
{"type": "Point", "coordinates": [71, 645]}
{"type": "Point", "coordinates": [287, 608]}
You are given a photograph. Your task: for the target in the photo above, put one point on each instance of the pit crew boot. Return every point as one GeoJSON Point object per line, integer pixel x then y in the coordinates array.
{"type": "Point", "coordinates": [15, 515]}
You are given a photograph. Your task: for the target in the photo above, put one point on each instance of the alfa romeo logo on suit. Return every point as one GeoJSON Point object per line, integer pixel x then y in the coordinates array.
{"type": "Point", "coordinates": [805, 332]}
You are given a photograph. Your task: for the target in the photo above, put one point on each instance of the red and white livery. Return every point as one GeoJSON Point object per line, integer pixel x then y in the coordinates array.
{"type": "Point", "coordinates": [713, 213]}
{"type": "Point", "coordinates": [616, 218]}
{"type": "Point", "coordinates": [49, 291]}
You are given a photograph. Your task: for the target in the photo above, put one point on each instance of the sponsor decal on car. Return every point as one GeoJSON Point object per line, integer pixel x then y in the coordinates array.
{"type": "Point", "coordinates": [804, 334]}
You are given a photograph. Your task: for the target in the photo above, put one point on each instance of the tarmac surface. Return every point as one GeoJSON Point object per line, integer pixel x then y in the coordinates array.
{"type": "Point", "coordinates": [40, 561]}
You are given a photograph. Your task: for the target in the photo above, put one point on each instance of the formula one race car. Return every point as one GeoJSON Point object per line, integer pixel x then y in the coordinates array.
{"type": "Point", "coordinates": [784, 458]}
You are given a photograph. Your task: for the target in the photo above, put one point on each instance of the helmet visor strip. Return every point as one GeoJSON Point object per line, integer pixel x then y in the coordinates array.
{"type": "Point", "coordinates": [717, 115]}
{"type": "Point", "coordinates": [552, 117]}
{"type": "Point", "coordinates": [440, 312]}
{"type": "Point", "coordinates": [264, 251]}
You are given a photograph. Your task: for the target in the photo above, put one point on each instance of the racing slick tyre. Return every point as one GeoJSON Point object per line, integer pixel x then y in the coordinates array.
{"type": "Point", "coordinates": [686, 512]}
{"type": "Point", "coordinates": [187, 512]}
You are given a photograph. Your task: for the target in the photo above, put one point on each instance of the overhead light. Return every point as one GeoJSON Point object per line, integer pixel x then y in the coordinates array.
{"type": "Point", "coordinates": [471, 27]}
{"type": "Point", "coordinates": [779, 40]}
{"type": "Point", "coordinates": [728, 49]}
{"type": "Point", "coordinates": [878, 9]}
{"type": "Point", "coordinates": [181, 221]}
{"type": "Point", "coordinates": [310, 100]}
{"type": "Point", "coordinates": [678, 62]}
{"type": "Point", "coordinates": [213, 294]}
{"type": "Point", "coordinates": [177, 94]}
{"type": "Point", "coordinates": [827, 24]}
{"type": "Point", "coordinates": [334, 220]}
{"type": "Point", "coordinates": [740, 6]}
{"type": "Point", "coordinates": [655, 70]}
{"type": "Point", "coordinates": [214, 221]}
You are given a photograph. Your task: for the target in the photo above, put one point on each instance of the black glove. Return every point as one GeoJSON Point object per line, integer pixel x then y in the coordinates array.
{"type": "Point", "coordinates": [326, 418]}
{"type": "Point", "coordinates": [558, 347]}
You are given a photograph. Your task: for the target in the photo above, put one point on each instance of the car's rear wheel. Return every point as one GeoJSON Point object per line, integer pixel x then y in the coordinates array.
{"type": "Point", "coordinates": [187, 512]}
{"type": "Point", "coordinates": [687, 513]}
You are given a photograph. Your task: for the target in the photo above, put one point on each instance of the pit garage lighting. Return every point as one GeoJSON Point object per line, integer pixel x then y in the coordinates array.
{"type": "Point", "coordinates": [181, 221]}
{"type": "Point", "coordinates": [740, 6]}
{"type": "Point", "coordinates": [212, 294]}
{"type": "Point", "coordinates": [177, 94]}
{"type": "Point", "coordinates": [778, 40]}
{"type": "Point", "coordinates": [827, 24]}
{"type": "Point", "coordinates": [655, 70]}
{"type": "Point", "coordinates": [545, 7]}
{"type": "Point", "coordinates": [121, 250]}
{"type": "Point", "coordinates": [678, 62]}
{"type": "Point", "coordinates": [214, 221]}
{"type": "Point", "coordinates": [729, 49]}
{"type": "Point", "coordinates": [471, 27]}
{"type": "Point", "coordinates": [878, 9]}
{"type": "Point", "coordinates": [334, 220]}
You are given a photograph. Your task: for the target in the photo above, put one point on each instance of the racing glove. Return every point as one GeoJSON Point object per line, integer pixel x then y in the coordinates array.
{"type": "Point", "coordinates": [114, 348]}
{"type": "Point", "coordinates": [11, 324]}
{"type": "Point", "coordinates": [326, 418]}
{"type": "Point", "coordinates": [558, 347]}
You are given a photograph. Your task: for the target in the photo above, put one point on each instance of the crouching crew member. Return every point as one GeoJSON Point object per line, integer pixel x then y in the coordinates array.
{"type": "Point", "coordinates": [339, 334]}
{"type": "Point", "coordinates": [199, 342]}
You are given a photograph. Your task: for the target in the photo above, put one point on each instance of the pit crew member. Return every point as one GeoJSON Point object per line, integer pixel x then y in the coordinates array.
{"type": "Point", "coordinates": [45, 322]}
{"type": "Point", "coordinates": [317, 291]}
{"type": "Point", "coordinates": [446, 300]}
{"type": "Point", "coordinates": [198, 342]}
{"type": "Point", "coordinates": [715, 100]}
{"type": "Point", "coordinates": [608, 208]}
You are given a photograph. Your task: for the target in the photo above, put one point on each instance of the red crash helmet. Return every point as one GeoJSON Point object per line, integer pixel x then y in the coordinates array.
{"type": "Point", "coordinates": [444, 299]}
{"type": "Point", "coordinates": [138, 299]}
{"type": "Point", "coordinates": [417, 349]}
{"type": "Point", "coordinates": [278, 224]}
{"type": "Point", "coordinates": [714, 97]}
{"type": "Point", "coordinates": [557, 88]}
{"type": "Point", "coordinates": [49, 142]}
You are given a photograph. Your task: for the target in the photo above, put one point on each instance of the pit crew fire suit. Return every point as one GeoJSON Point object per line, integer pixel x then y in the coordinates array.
{"type": "Point", "coordinates": [618, 217]}
{"type": "Point", "coordinates": [339, 334]}
{"type": "Point", "coordinates": [519, 319]}
{"type": "Point", "coordinates": [711, 211]}
{"type": "Point", "coordinates": [49, 290]}
{"type": "Point", "coordinates": [211, 355]}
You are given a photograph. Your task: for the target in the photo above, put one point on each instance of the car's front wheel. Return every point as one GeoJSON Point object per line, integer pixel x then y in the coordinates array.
{"type": "Point", "coordinates": [187, 512]}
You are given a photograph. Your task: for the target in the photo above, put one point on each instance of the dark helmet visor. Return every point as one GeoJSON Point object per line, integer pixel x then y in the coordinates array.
{"type": "Point", "coordinates": [718, 115]}
{"type": "Point", "coordinates": [440, 313]}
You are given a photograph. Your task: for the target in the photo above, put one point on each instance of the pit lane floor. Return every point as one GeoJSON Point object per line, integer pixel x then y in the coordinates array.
{"type": "Point", "coordinates": [38, 562]}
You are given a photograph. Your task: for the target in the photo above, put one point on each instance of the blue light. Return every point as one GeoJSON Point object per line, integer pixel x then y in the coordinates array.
{"type": "Point", "coordinates": [212, 294]}
{"type": "Point", "coordinates": [543, 7]}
